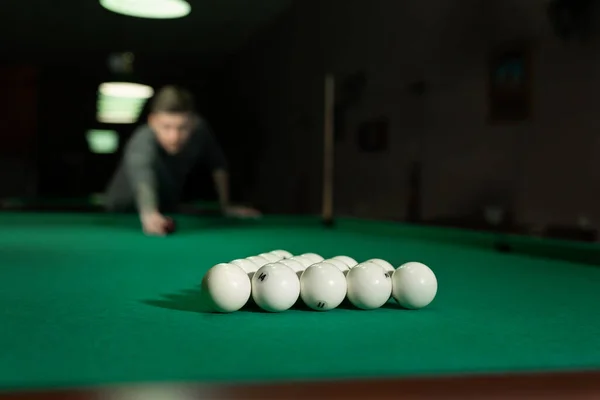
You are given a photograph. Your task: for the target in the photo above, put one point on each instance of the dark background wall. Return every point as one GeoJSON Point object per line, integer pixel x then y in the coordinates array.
{"type": "Point", "coordinates": [18, 113]}
{"type": "Point", "coordinates": [264, 98]}
{"type": "Point", "coordinates": [545, 168]}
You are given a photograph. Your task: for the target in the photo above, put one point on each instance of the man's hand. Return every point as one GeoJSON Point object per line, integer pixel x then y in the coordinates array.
{"type": "Point", "coordinates": [153, 223]}
{"type": "Point", "coordinates": [241, 212]}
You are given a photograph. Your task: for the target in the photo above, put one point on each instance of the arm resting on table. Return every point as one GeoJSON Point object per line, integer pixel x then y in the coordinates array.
{"type": "Point", "coordinates": [138, 164]}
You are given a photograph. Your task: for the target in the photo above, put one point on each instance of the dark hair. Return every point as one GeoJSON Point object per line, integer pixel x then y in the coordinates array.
{"type": "Point", "coordinates": [172, 99]}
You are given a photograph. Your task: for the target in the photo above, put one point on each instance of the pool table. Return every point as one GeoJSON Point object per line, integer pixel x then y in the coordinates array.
{"type": "Point", "coordinates": [91, 308]}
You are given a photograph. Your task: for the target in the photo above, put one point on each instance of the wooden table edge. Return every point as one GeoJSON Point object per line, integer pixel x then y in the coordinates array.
{"type": "Point", "coordinates": [576, 385]}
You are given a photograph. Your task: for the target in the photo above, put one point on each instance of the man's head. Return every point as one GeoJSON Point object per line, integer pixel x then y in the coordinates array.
{"type": "Point", "coordinates": [172, 117]}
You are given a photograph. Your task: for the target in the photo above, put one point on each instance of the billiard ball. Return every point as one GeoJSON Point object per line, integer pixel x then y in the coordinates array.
{"type": "Point", "coordinates": [502, 247]}
{"type": "Point", "coordinates": [369, 286]}
{"type": "Point", "coordinates": [170, 226]}
{"type": "Point", "coordinates": [228, 287]}
{"type": "Point", "coordinates": [303, 260]}
{"type": "Point", "coordinates": [414, 285]}
{"type": "Point", "coordinates": [270, 257]}
{"type": "Point", "coordinates": [246, 265]}
{"type": "Point", "coordinates": [275, 287]}
{"type": "Point", "coordinates": [340, 265]}
{"type": "Point", "coordinates": [295, 265]}
{"type": "Point", "coordinates": [258, 260]}
{"type": "Point", "coordinates": [282, 253]}
{"type": "Point", "coordinates": [382, 263]}
{"type": "Point", "coordinates": [349, 261]}
{"type": "Point", "coordinates": [315, 258]}
{"type": "Point", "coordinates": [323, 286]}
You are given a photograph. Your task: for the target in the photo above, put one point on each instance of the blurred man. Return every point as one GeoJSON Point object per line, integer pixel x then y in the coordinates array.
{"type": "Point", "coordinates": [158, 158]}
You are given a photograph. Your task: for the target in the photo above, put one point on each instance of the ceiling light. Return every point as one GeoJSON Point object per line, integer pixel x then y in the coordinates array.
{"type": "Point", "coordinates": [155, 9]}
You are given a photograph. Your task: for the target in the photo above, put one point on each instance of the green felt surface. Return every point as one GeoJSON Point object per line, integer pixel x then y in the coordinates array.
{"type": "Point", "coordinates": [87, 299]}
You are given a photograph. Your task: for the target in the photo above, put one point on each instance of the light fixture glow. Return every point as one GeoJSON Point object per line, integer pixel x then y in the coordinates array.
{"type": "Point", "coordinates": [121, 102]}
{"type": "Point", "coordinates": [102, 141]}
{"type": "Point", "coordinates": [154, 9]}
{"type": "Point", "coordinates": [115, 104]}
{"type": "Point", "coordinates": [126, 89]}
{"type": "Point", "coordinates": [118, 117]}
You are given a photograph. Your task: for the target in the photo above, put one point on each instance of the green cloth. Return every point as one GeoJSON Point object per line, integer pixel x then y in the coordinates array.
{"type": "Point", "coordinates": [88, 300]}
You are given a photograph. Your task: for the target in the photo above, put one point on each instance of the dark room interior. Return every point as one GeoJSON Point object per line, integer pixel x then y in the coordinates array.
{"type": "Point", "coordinates": [430, 142]}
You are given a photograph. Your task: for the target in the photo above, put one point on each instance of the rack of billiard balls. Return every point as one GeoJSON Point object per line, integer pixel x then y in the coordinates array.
{"type": "Point", "coordinates": [276, 280]}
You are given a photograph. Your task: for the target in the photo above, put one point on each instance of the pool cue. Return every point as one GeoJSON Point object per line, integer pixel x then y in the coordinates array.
{"type": "Point", "coordinates": [328, 150]}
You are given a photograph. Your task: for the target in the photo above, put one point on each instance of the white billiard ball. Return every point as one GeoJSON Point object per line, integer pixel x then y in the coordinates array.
{"type": "Point", "coordinates": [295, 265]}
{"type": "Point", "coordinates": [349, 261]}
{"type": "Point", "coordinates": [246, 265]}
{"type": "Point", "coordinates": [315, 258]}
{"type": "Point", "coordinates": [382, 263]}
{"type": "Point", "coordinates": [414, 285]}
{"type": "Point", "coordinates": [342, 266]}
{"type": "Point", "coordinates": [282, 253]}
{"type": "Point", "coordinates": [275, 287]}
{"type": "Point", "coordinates": [228, 287]}
{"type": "Point", "coordinates": [369, 286]}
{"type": "Point", "coordinates": [323, 286]}
{"type": "Point", "coordinates": [258, 260]}
{"type": "Point", "coordinates": [270, 257]}
{"type": "Point", "coordinates": [306, 262]}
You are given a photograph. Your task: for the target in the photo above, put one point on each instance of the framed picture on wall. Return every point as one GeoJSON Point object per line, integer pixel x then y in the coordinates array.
{"type": "Point", "coordinates": [509, 86]}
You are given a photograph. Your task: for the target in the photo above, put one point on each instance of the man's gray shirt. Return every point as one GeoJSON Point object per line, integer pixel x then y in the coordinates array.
{"type": "Point", "coordinates": [145, 164]}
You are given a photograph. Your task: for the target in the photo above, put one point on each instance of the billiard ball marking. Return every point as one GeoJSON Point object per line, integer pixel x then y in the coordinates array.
{"type": "Point", "coordinates": [263, 277]}
{"type": "Point", "coordinates": [321, 304]}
